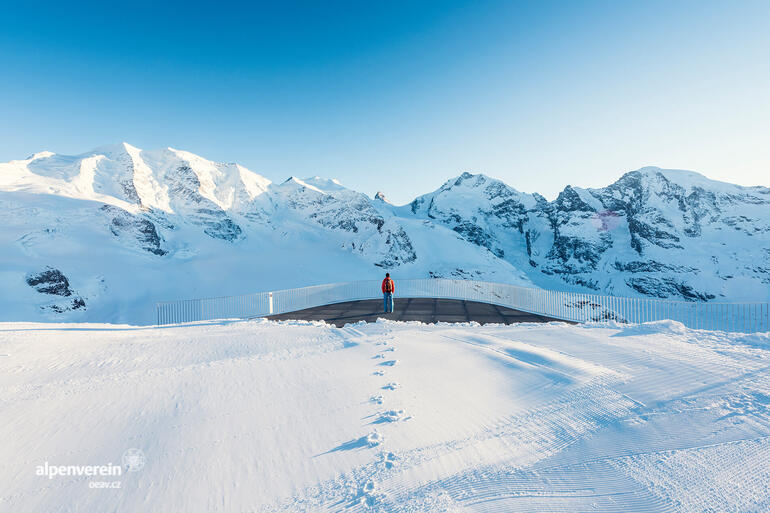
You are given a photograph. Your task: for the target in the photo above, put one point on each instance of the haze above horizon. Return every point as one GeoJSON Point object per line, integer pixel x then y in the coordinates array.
{"type": "Point", "coordinates": [399, 96]}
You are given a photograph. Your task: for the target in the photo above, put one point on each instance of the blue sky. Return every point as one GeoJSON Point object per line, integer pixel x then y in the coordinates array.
{"type": "Point", "coordinates": [399, 96]}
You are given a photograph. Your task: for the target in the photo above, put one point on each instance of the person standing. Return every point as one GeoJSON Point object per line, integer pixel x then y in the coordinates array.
{"type": "Point", "coordinates": [388, 289]}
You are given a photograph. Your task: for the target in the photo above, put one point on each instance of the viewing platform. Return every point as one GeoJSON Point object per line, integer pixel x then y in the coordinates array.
{"type": "Point", "coordinates": [428, 310]}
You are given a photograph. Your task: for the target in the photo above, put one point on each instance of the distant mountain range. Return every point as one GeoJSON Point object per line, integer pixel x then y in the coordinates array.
{"type": "Point", "coordinates": [102, 235]}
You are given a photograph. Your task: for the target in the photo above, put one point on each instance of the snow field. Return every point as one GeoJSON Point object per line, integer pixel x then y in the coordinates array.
{"type": "Point", "coordinates": [295, 416]}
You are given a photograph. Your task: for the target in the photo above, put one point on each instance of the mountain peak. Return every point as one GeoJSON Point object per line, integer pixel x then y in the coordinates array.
{"type": "Point", "coordinates": [120, 148]}
{"type": "Point", "coordinates": [468, 179]}
{"type": "Point", "coordinates": [295, 182]}
{"type": "Point", "coordinates": [681, 177]}
{"type": "Point", "coordinates": [479, 177]}
{"type": "Point", "coordinates": [326, 185]}
{"type": "Point", "coordinates": [41, 155]}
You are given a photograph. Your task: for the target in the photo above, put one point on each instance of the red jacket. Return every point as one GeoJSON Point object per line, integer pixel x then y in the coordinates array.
{"type": "Point", "coordinates": [392, 286]}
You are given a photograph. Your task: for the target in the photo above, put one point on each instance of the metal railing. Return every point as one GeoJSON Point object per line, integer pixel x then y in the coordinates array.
{"type": "Point", "coordinates": [568, 306]}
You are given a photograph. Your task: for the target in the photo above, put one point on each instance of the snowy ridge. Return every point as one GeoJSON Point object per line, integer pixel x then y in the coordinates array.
{"type": "Point", "coordinates": [127, 227]}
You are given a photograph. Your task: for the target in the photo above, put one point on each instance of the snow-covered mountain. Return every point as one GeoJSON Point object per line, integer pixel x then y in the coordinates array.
{"type": "Point", "coordinates": [102, 235]}
{"type": "Point", "coordinates": [654, 232]}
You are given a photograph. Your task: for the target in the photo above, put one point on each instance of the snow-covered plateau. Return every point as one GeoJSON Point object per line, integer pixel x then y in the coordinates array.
{"type": "Point", "coordinates": [102, 236]}
{"type": "Point", "coordinates": [253, 416]}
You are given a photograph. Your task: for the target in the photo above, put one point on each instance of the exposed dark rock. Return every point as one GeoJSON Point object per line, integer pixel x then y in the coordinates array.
{"type": "Point", "coordinates": [76, 304]}
{"type": "Point", "coordinates": [401, 250]}
{"type": "Point", "coordinates": [53, 282]}
{"type": "Point", "coordinates": [50, 281]}
{"type": "Point", "coordinates": [528, 239]}
{"type": "Point", "coordinates": [650, 266]}
{"type": "Point", "coordinates": [569, 201]}
{"type": "Point", "coordinates": [665, 287]}
{"type": "Point", "coordinates": [576, 250]}
{"type": "Point", "coordinates": [135, 228]}
{"type": "Point", "coordinates": [217, 225]}
{"type": "Point", "coordinates": [475, 234]}
{"type": "Point", "coordinates": [456, 273]}
{"type": "Point", "coordinates": [184, 184]}
{"type": "Point", "coordinates": [513, 212]}
{"type": "Point", "coordinates": [640, 230]}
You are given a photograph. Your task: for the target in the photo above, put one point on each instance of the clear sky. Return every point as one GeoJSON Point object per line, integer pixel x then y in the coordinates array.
{"type": "Point", "coordinates": [399, 96]}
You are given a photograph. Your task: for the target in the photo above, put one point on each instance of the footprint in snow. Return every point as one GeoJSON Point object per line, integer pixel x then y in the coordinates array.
{"type": "Point", "coordinates": [390, 363]}
{"type": "Point", "coordinates": [368, 495]}
{"type": "Point", "coordinates": [377, 399]}
{"type": "Point", "coordinates": [378, 356]}
{"type": "Point", "coordinates": [392, 416]}
{"type": "Point", "coordinates": [388, 459]}
{"type": "Point", "coordinates": [389, 350]}
{"type": "Point", "coordinates": [391, 386]}
{"type": "Point", "coordinates": [374, 438]}
{"type": "Point", "coordinates": [378, 373]}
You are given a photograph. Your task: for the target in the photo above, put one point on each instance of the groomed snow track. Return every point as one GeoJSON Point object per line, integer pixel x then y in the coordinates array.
{"type": "Point", "coordinates": [386, 417]}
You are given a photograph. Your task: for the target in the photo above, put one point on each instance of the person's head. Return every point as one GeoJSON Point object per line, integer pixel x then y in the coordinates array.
{"type": "Point", "coordinates": [387, 275]}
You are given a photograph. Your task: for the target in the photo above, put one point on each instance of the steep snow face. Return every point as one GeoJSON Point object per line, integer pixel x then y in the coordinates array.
{"type": "Point", "coordinates": [89, 176]}
{"type": "Point", "coordinates": [165, 180]}
{"type": "Point", "coordinates": [654, 232]}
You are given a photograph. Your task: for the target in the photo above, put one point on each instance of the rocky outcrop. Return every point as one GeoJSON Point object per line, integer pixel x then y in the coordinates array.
{"type": "Point", "coordinates": [134, 229]}
{"type": "Point", "coordinates": [52, 282]}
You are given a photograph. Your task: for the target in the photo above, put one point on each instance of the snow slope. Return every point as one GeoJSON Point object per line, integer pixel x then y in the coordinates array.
{"type": "Point", "coordinates": [265, 416]}
{"type": "Point", "coordinates": [104, 235]}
